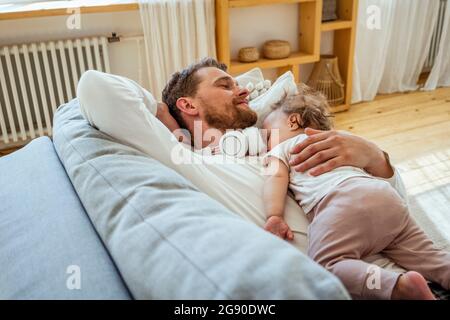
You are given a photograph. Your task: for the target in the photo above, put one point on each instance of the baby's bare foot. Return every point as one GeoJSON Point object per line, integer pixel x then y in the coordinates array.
{"type": "Point", "coordinates": [412, 286]}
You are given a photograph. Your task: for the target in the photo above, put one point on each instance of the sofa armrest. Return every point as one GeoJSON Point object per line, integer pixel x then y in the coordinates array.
{"type": "Point", "coordinates": [48, 247]}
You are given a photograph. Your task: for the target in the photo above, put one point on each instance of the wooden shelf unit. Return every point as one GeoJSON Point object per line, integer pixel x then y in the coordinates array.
{"type": "Point", "coordinates": [295, 58]}
{"type": "Point", "coordinates": [336, 25]}
{"type": "Point", "coordinates": [252, 3]}
{"type": "Point", "coordinates": [309, 42]}
{"type": "Point", "coordinates": [310, 27]}
{"type": "Point", "coordinates": [344, 45]}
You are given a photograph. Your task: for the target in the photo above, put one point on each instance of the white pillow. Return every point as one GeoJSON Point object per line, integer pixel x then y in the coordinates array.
{"type": "Point", "coordinates": [284, 86]}
{"type": "Point", "coordinates": [253, 76]}
{"type": "Point", "coordinates": [254, 82]}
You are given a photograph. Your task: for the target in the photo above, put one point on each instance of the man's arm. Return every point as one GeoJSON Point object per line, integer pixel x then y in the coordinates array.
{"type": "Point", "coordinates": [127, 112]}
{"type": "Point", "coordinates": [324, 151]}
{"type": "Point", "coordinates": [163, 115]}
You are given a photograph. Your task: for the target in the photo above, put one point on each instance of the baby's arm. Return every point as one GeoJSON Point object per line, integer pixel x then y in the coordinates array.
{"type": "Point", "coordinates": [274, 196]}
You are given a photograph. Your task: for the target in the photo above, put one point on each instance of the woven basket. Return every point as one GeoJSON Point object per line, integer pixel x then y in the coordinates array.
{"type": "Point", "coordinates": [248, 54]}
{"type": "Point", "coordinates": [276, 49]}
{"type": "Point", "coordinates": [326, 78]}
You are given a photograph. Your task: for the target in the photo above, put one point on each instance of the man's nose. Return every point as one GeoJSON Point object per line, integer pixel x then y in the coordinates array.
{"type": "Point", "coordinates": [243, 92]}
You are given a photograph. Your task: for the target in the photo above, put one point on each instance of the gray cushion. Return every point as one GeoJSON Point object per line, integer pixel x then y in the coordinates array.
{"type": "Point", "coordinates": [45, 235]}
{"type": "Point", "coordinates": [171, 241]}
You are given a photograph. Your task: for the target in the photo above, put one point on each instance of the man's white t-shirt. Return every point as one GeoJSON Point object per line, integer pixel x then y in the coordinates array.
{"type": "Point", "coordinates": [309, 190]}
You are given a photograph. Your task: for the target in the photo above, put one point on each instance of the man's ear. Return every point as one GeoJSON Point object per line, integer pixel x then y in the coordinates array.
{"type": "Point", "coordinates": [186, 106]}
{"type": "Point", "coordinates": [294, 121]}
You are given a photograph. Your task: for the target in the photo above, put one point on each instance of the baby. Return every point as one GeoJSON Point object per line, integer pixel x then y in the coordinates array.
{"type": "Point", "coordinates": [352, 214]}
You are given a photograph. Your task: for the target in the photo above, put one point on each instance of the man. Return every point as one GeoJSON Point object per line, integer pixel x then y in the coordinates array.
{"type": "Point", "coordinates": [205, 94]}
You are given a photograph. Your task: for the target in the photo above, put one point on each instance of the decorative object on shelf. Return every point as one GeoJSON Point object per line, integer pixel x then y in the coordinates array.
{"type": "Point", "coordinates": [257, 89]}
{"type": "Point", "coordinates": [304, 51]}
{"type": "Point", "coordinates": [276, 49]}
{"type": "Point", "coordinates": [329, 10]}
{"type": "Point", "coordinates": [327, 79]}
{"type": "Point", "coordinates": [248, 54]}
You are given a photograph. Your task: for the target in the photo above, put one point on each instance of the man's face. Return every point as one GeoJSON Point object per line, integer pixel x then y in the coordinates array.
{"type": "Point", "coordinates": [222, 103]}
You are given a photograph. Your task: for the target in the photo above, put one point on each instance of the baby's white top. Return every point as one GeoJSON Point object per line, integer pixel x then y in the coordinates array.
{"type": "Point", "coordinates": [309, 190]}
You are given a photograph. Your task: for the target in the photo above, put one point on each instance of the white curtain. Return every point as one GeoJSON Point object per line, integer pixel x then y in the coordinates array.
{"type": "Point", "coordinates": [389, 56]}
{"type": "Point", "coordinates": [440, 73]}
{"type": "Point", "coordinates": [176, 33]}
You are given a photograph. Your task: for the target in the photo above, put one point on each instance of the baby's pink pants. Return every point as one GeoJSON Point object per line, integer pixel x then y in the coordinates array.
{"type": "Point", "coordinates": [365, 216]}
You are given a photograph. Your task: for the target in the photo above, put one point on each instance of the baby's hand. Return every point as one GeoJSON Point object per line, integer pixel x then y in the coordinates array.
{"type": "Point", "coordinates": [279, 227]}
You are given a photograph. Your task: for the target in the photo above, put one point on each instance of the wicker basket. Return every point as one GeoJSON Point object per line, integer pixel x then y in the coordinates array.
{"type": "Point", "coordinates": [248, 54]}
{"type": "Point", "coordinates": [276, 49]}
{"type": "Point", "coordinates": [326, 78]}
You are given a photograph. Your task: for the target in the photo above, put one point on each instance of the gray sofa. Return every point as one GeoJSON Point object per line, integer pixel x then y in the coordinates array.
{"type": "Point", "coordinates": [44, 230]}
{"type": "Point", "coordinates": [84, 217]}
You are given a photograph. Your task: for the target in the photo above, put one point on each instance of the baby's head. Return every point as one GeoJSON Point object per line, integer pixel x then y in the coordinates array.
{"type": "Point", "coordinates": [293, 114]}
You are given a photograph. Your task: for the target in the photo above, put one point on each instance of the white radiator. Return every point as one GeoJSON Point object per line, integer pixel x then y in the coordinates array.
{"type": "Point", "coordinates": [436, 38]}
{"type": "Point", "coordinates": [36, 78]}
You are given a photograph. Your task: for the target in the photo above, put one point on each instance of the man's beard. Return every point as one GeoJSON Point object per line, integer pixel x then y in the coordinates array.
{"type": "Point", "coordinates": [233, 116]}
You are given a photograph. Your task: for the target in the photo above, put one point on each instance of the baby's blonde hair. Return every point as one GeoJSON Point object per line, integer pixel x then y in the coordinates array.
{"type": "Point", "coordinates": [311, 105]}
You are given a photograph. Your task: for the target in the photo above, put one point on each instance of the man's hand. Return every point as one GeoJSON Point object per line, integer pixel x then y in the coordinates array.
{"type": "Point", "coordinates": [279, 227]}
{"type": "Point", "coordinates": [165, 117]}
{"type": "Point", "coordinates": [324, 151]}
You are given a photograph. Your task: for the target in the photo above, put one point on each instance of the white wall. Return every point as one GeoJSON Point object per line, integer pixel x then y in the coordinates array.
{"type": "Point", "coordinates": [248, 27]}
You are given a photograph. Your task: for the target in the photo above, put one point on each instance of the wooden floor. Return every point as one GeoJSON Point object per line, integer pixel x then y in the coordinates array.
{"type": "Point", "coordinates": [7, 151]}
{"type": "Point", "coordinates": [413, 128]}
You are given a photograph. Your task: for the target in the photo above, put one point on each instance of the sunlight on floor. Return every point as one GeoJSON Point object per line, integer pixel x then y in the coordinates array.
{"type": "Point", "coordinates": [427, 179]}
{"type": "Point", "coordinates": [414, 129]}
{"type": "Point", "coordinates": [426, 172]}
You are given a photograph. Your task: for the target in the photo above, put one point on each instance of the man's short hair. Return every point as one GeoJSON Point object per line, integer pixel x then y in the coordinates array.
{"type": "Point", "coordinates": [185, 84]}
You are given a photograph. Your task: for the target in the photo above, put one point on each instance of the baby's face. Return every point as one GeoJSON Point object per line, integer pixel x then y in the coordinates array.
{"type": "Point", "coordinates": [277, 126]}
